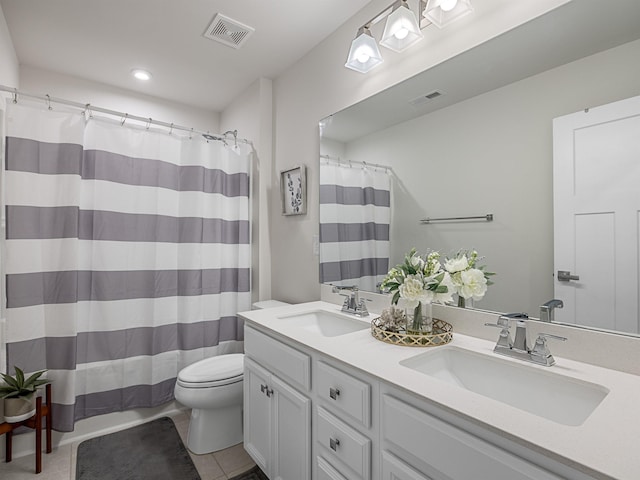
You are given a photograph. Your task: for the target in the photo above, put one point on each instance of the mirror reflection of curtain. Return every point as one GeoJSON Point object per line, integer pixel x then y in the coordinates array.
{"type": "Point", "coordinates": [355, 214]}
{"type": "Point", "coordinates": [128, 257]}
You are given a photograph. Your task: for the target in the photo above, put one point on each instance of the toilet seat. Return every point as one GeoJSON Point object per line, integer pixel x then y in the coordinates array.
{"type": "Point", "coordinates": [213, 372]}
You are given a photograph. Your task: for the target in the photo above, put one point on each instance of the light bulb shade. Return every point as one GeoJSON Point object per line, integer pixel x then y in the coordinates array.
{"type": "Point", "coordinates": [364, 53]}
{"type": "Point", "coordinates": [443, 12]}
{"type": "Point", "coordinates": [401, 30]}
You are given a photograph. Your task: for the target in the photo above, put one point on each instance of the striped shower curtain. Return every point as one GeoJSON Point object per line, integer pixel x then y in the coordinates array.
{"type": "Point", "coordinates": [127, 256]}
{"type": "Point", "coordinates": [355, 214]}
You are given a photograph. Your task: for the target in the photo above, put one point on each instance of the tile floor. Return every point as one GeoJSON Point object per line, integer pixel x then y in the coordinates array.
{"type": "Point", "coordinates": [61, 463]}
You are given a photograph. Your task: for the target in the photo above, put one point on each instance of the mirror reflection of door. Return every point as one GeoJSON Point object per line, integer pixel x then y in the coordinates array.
{"type": "Point", "coordinates": [597, 215]}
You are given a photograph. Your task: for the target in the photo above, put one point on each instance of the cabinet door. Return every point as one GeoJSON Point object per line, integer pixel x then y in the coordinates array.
{"type": "Point", "coordinates": [257, 415]}
{"type": "Point", "coordinates": [292, 433]}
{"type": "Point", "coordinates": [394, 469]}
{"type": "Point", "coordinates": [449, 451]}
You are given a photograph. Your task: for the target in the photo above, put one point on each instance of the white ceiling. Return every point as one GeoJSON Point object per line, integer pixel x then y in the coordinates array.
{"type": "Point", "coordinates": [103, 40]}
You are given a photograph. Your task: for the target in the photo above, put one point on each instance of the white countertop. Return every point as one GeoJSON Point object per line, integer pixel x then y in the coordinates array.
{"type": "Point", "coordinates": [608, 442]}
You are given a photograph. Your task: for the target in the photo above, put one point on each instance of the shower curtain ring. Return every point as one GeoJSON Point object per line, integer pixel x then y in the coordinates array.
{"type": "Point", "coordinates": [171, 129]}
{"type": "Point", "coordinates": [48, 102]}
{"type": "Point", "coordinates": [149, 122]}
{"type": "Point", "coordinates": [124, 119]}
{"type": "Point", "coordinates": [87, 109]}
{"type": "Point", "coordinates": [191, 134]}
{"type": "Point", "coordinates": [15, 95]}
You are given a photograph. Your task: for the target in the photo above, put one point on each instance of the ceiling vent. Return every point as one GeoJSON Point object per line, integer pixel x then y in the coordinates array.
{"type": "Point", "coordinates": [227, 31]}
{"type": "Point", "coordinates": [416, 102]}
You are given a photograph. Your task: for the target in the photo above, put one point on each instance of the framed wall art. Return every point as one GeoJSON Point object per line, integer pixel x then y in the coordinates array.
{"type": "Point", "coordinates": [293, 189]}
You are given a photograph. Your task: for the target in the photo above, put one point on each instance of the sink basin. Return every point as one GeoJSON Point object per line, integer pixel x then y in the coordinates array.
{"type": "Point", "coordinates": [543, 393]}
{"type": "Point", "coordinates": [325, 323]}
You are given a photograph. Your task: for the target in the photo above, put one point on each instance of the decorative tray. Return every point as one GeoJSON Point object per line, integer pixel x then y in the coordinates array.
{"type": "Point", "coordinates": [442, 334]}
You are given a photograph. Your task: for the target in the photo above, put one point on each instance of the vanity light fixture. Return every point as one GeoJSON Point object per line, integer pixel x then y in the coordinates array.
{"type": "Point", "coordinates": [364, 53]}
{"type": "Point", "coordinates": [141, 74]}
{"type": "Point", "coordinates": [443, 12]}
{"type": "Point", "coordinates": [402, 29]}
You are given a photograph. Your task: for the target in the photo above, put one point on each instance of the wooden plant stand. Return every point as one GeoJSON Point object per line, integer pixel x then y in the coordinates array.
{"type": "Point", "coordinates": [34, 422]}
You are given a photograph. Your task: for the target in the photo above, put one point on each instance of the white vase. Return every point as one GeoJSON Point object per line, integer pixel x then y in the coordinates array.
{"type": "Point", "coordinates": [19, 408]}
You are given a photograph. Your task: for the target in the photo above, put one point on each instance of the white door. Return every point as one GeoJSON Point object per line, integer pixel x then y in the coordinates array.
{"type": "Point", "coordinates": [596, 187]}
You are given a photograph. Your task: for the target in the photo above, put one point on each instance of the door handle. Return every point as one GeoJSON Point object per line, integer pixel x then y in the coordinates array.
{"type": "Point", "coordinates": [565, 276]}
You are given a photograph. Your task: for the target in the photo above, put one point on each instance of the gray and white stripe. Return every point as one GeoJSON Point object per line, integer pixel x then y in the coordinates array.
{"type": "Point", "coordinates": [355, 214]}
{"type": "Point", "coordinates": [128, 257]}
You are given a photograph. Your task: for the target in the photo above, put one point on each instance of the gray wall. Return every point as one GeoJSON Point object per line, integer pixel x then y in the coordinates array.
{"type": "Point", "coordinates": [8, 60]}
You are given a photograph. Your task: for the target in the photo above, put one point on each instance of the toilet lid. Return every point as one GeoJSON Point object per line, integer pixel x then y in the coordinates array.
{"type": "Point", "coordinates": [213, 369]}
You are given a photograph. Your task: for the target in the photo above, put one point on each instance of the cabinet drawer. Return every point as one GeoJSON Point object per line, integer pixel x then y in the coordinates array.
{"type": "Point", "coordinates": [347, 393]}
{"type": "Point", "coordinates": [327, 472]}
{"type": "Point", "coordinates": [343, 443]}
{"type": "Point", "coordinates": [287, 362]}
{"type": "Point", "coordinates": [446, 450]}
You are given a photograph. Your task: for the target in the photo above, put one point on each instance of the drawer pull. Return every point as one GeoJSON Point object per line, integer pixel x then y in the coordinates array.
{"type": "Point", "coordinates": [334, 393]}
{"type": "Point", "coordinates": [334, 443]}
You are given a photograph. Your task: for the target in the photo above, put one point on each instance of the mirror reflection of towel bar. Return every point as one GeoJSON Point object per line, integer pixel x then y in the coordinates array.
{"type": "Point", "coordinates": [488, 217]}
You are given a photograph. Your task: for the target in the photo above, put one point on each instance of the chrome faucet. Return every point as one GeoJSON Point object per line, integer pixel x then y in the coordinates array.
{"type": "Point", "coordinates": [547, 309]}
{"type": "Point", "coordinates": [352, 302]}
{"type": "Point", "coordinates": [518, 347]}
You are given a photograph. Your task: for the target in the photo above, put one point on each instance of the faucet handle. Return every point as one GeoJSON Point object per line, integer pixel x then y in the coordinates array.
{"type": "Point", "coordinates": [505, 335]}
{"type": "Point", "coordinates": [544, 336]}
{"type": "Point", "coordinates": [361, 309]}
{"type": "Point", "coordinates": [541, 350]}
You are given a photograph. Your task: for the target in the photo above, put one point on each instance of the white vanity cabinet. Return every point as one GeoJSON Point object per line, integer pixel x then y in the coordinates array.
{"type": "Point", "coordinates": [310, 416]}
{"type": "Point", "coordinates": [277, 417]}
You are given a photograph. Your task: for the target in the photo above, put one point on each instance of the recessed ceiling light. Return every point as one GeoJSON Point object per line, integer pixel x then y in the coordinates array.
{"type": "Point", "coordinates": [141, 74]}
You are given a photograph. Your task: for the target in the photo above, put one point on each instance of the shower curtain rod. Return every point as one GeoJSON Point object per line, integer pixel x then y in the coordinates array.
{"type": "Point", "coordinates": [222, 137]}
{"type": "Point", "coordinates": [349, 162]}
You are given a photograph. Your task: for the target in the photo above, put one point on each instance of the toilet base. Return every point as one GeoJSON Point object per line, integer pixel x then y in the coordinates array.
{"type": "Point", "coordinates": [213, 430]}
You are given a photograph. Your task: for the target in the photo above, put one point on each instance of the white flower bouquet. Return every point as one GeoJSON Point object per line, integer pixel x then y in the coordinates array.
{"type": "Point", "coordinates": [419, 281]}
{"type": "Point", "coordinates": [469, 280]}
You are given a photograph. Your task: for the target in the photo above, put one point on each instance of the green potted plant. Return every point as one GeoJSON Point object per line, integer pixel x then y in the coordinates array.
{"type": "Point", "coordinates": [19, 396]}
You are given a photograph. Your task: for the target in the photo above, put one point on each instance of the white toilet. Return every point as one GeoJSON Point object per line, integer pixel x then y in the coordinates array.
{"type": "Point", "coordinates": [212, 388]}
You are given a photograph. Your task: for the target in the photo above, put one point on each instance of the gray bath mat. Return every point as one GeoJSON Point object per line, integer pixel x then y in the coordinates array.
{"type": "Point", "coordinates": [254, 474]}
{"type": "Point", "coordinates": [153, 451]}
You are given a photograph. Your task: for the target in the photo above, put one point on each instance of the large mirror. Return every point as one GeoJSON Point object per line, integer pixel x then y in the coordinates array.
{"type": "Point", "coordinates": [483, 144]}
